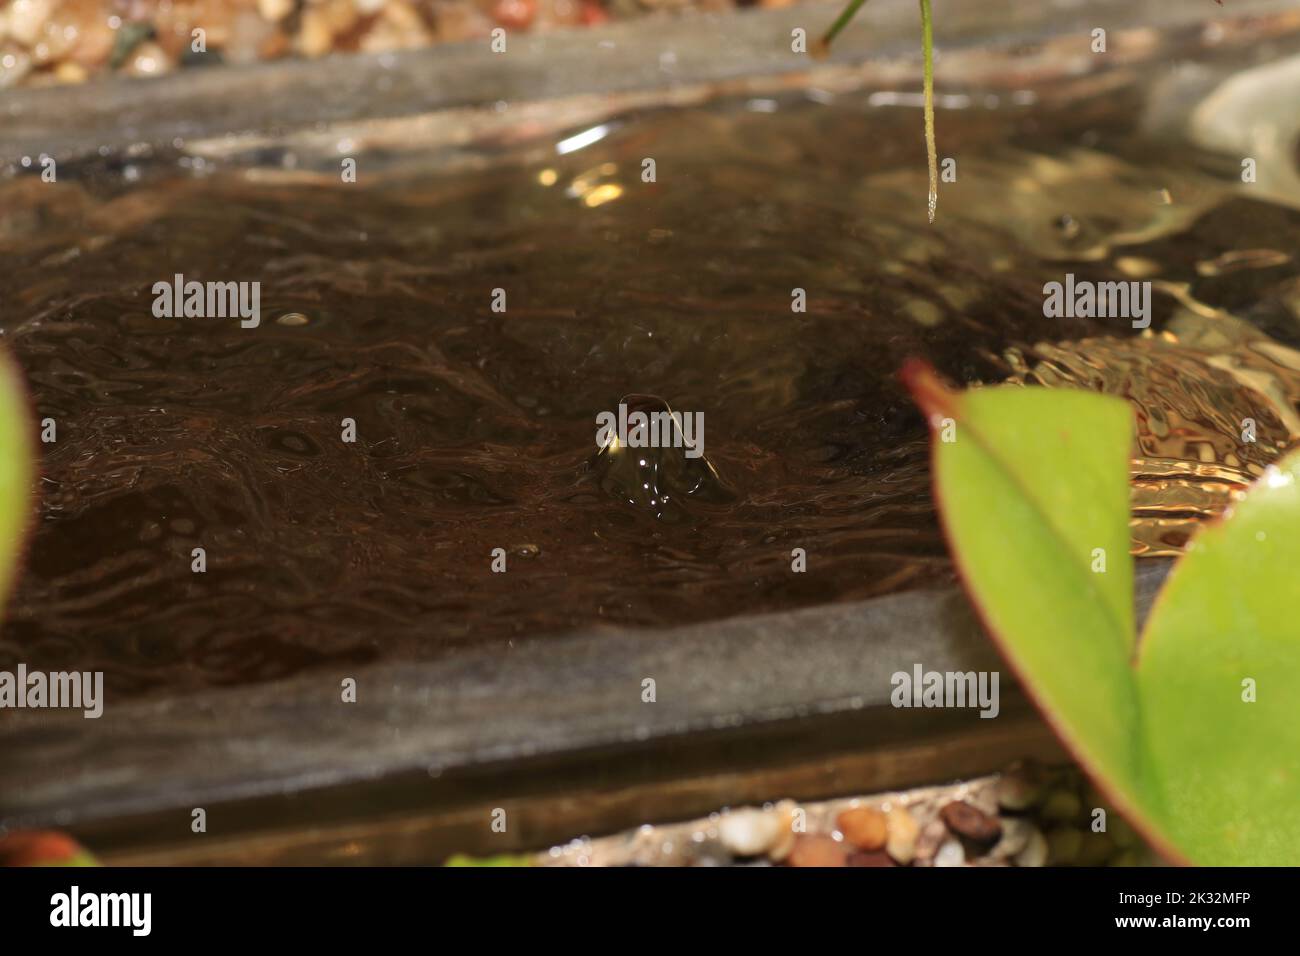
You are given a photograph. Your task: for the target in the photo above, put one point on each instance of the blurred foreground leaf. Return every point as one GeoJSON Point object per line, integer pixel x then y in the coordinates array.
{"type": "Point", "coordinates": [1193, 730]}
{"type": "Point", "coordinates": [17, 471]}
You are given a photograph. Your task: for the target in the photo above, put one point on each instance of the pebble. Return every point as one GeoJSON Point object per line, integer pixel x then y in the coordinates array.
{"type": "Point", "coordinates": [1095, 848]}
{"type": "Point", "coordinates": [1064, 845]}
{"type": "Point", "coordinates": [971, 822]}
{"type": "Point", "coordinates": [817, 850]}
{"type": "Point", "coordinates": [710, 853]}
{"type": "Point", "coordinates": [1019, 789]}
{"type": "Point", "coordinates": [1062, 806]}
{"type": "Point", "coordinates": [315, 38]}
{"type": "Point", "coordinates": [514, 14]}
{"type": "Point", "coordinates": [69, 72]}
{"type": "Point", "coordinates": [950, 854]}
{"type": "Point", "coordinates": [148, 59]}
{"type": "Point", "coordinates": [1016, 835]}
{"type": "Point", "coordinates": [878, 858]}
{"type": "Point", "coordinates": [902, 831]}
{"type": "Point", "coordinates": [398, 27]}
{"type": "Point", "coordinates": [27, 19]}
{"type": "Point", "coordinates": [865, 827]}
{"type": "Point", "coordinates": [274, 10]}
{"type": "Point", "coordinates": [749, 832]}
{"type": "Point", "coordinates": [779, 850]}
{"type": "Point", "coordinates": [1035, 851]}
{"type": "Point", "coordinates": [1127, 858]}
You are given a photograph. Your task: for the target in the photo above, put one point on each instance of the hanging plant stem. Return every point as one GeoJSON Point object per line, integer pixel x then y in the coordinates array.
{"type": "Point", "coordinates": [931, 152]}
{"type": "Point", "coordinates": [927, 51]}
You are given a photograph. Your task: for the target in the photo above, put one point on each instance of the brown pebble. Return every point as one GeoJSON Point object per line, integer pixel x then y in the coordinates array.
{"type": "Point", "coordinates": [865, 827]}
{"type": "Point", "coordinates": [877, 858]}
{"type": "Point", "coordinates": [817, 850]}
{"type": "Point", "coordinates": [972, 823]}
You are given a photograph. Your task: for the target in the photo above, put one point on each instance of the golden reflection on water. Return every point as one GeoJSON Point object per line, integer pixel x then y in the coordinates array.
{"type": "Point", "coordinates": [1214, 400]}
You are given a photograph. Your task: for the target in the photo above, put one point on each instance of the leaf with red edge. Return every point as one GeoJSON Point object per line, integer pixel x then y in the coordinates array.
{"type": "Point", "coordinates": [1032, 487]}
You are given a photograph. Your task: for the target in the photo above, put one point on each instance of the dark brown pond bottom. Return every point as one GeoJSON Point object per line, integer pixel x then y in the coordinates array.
{"type": "Point", "coordinates": [475, 429]}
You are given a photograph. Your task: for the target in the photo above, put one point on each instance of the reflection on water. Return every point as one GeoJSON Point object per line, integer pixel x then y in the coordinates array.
{"type": "Point", "coordinates": [475, 427]}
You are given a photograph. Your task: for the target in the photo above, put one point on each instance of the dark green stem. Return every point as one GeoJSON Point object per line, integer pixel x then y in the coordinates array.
{"type": "Point", "coordinates": [847, 14]}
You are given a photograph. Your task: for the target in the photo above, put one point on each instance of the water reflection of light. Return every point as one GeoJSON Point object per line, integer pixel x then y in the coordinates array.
{"type": "Point", "coordinates": [581, 140]}
{"type": "Point", "coordinates": [602, 194]}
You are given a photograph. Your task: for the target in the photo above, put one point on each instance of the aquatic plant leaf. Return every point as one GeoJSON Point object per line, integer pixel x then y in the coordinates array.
{"type": "Point", "coordinates": [1032, 486]}
{"type": "Point", "coordinates": [1218, 675]}
{"type": "Point", "coordinates": [1178, 730]}
{"type": "Point", "coordinates": [43, 848]}
{"type": "Point", "coordinates": [17, 469]}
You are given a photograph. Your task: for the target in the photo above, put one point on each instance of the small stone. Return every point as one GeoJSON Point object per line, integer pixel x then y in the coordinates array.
{"type": "Point", "coordinates": [1035, 851]}
{"type": "Point", "coordinates": [27, 19]}
{"type": "Point", "coordinates": [972, 823]}
{"type": "Point", "coordinates": [865, 827]}
{"type": "Point", "coordinates": [1062, 806]}
{"type": "Point", "coordinates": [878, 858]}
{"type": "Point", "coordinates": [274, 10]}
{"type": "Point", "coordinates": [932, 836]}
{"type": "Point", "coordinates": [148, 59]}
{"type": "Point", "coordinates": [779, 850]}
{"type": "Point", "coordinates": [514, 14]}
{"type": "Point", "coordinates": [902, 831]}
{"type": "Point", "coordinates": [1064, 845]}
{"type": "Point", "coordinates": [817, 850]}
{"type": "Point", "coordinates": [314, 35]}
{"type": "Point", "coordinates": [69, 72]}
{"type": "Point", "coordinates": [710, 853]}
{"type": "Point", "coordinates": [1019, 788]}
{"type": "Point", "coordinates": [398, 27]}
{"type": "Point", "coordinates": [1016, 834]}
{"type": "Point", "coordinates": [1095, 849]}
{"type": "Point", "coordinates": [749, 832]}
{"type": "Point", "coordinates": [950, 854]}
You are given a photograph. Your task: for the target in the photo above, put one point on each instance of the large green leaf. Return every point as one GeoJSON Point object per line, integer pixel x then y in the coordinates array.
{"type": "Point", "coordinates": [1032, 485]}
{"type": "Point", "coordinates": [1229, 616]}
{"type": "Point", "coordinates": [17, 470]}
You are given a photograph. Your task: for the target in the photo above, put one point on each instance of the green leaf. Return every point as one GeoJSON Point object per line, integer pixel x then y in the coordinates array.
{"type": "Point", "coordinates": [17, 472]}
{"type": "Point", "coordinates": [1229, 768]}
{"type": "Point", "coordinates": [1032, 485]}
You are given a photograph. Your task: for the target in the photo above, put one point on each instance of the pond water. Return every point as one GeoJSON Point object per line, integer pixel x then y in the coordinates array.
{"type": "Point", "coordinates": [475, 429]}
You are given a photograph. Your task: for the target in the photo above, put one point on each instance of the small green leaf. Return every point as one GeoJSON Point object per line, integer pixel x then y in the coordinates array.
{"type": "Point", "coordinates": [1032, 485]}
{"type": "Point", "coordinates": [17, 472]}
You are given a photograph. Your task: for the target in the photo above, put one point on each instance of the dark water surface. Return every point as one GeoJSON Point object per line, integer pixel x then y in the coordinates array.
{"type": "Point", "coordinates": [475, 430]}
